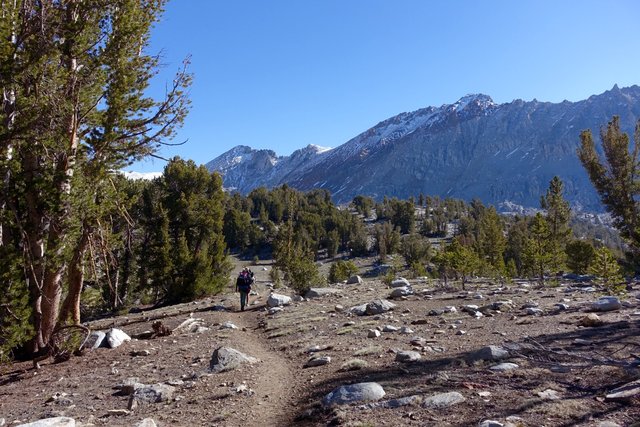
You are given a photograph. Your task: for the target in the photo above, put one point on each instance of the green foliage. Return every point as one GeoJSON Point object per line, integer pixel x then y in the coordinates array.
{"type": "Point", "coordinates": [76, 107]}
{"type": "Point", "coordinates": [457, 261]}
{"type": "Point", "coordinates": [387, 239]}
{"type": "Point", "coordinates": [558, 215]}
{"type": "Point", "coordinates": [415, 249]}
{"type": "Point", "coordinates": [276, 277]}
{"type": "Point", "coordinates": [193, 198]}
{"type": "Point", "coordinates": [580, 254]}
{"type": "Point", "coordinates": [538, 251]}
{"type": "Point", "coordinates": [341, 270]}
{"type": "Point", "coordinates": [616, 177]}
{"type": "Point", "coordinates": [363, 205]}
{"type": "Point", "coordinates": [606, 268]}
{"type": "Point", "coordinates": [417, 269]}
{"type": "Point", "coordinates": [294, 258]}
{"type": "Point", "coordinates": [15, 311]}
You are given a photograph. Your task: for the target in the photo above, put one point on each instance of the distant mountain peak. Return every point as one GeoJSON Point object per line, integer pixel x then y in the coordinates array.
{"type": "Point", "coordinates": [470, 148]}
{"type": "Point", "coordinates": [478, 99]}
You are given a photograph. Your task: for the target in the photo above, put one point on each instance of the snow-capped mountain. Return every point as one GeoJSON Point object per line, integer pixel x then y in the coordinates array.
{"type": "Point", "coordinates": [245, 168]}
{"type": "Point", "coordinates": [471, 148]}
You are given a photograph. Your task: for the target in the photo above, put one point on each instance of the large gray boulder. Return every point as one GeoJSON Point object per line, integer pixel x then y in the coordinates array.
{"type": "Point", "coordinates": [116, 337]}
{"type": "Point", "coordinates": [379, 306]}
{"type": "Point", "coordinates": [51, 422]}
{"type": "Point", "coordinates": [226, 359]}
{"type": "Point", "coordinates": [277, 300]}
{"type": "Point", "coordinates": [320, 292]}
{"type": "Point", "coordinates": [361, 392]}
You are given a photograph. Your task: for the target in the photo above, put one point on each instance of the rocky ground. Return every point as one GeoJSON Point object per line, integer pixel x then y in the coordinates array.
{"type": "Point", "coordinates": [517, 355]}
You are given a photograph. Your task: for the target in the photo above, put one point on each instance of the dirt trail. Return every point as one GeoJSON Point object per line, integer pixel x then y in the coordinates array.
{"type": "Point", "coordinates": [274, 383]}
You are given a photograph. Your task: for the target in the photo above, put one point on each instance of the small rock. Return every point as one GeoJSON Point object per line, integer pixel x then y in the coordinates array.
{"type": "Point", "coordinates": [116, 337]}
{"type": "Point", "coordinates": [401, 292]}
{"type": "Point", "coordinates": [354, 393]}
{"type": "Point", "coordinates": [277, 300]}
{"type": "Point", "coordinates": [129, 385]}
{"type": "Point", "coordinates": [533, 311]}
{"type": "Point", "coordinates": [147, 422]}
{"type": "Point", "coordinates": [408, 356]}
{"type": "Point", "coordinates": [608, 303]}
{"type": "Point", "coordinates": [419, 341]}
{"type": "Point", "coordinates": [504, 367]}
{"type": "Point", "coordinates": [137, 353]}
{"type": "Point", "coordinates": [355, 280]}
{"type": "Point", "coordinates": [591, 320]}
{"type": "Point", "coordinates": [317, 361]}
{"type": "Point", "coordinates": [390, 328]}
{"type": "Point", "coordinates": [155, 393]}
{"type": "Point", "coordinates": [450, 309]}
{"type": "Point", "coordinates": [316, 348]}
{"type": "Point", "coordinates": [274, 310]}
{"type": "Point", "coordinates": [95, 340]}
{"type": "Point", "coordinates": [436, 312]}
{"type": "Point", "coordinates": [443, 400]}
{"type": "Point", "coordinates": [490, 423]}
{"type": "Point", "coordinates": [406, 330]}
{"type": "Point", "coordinates": [190, 325]}
{"type": "Point", "coordinates": [549, 394]}
{"type": "Point", "coordinates": [118, 412]}
{"type": "Point", "coordinates": [400, 402]}
{"type": "Point", "coordinates": [228, 325]}
{"type": "Point", "coordinates": [226, 359]}
{"type": "Point", "coordinates": [400, 282]}
{"type": "Point", "coordinates": [379, 306]}
{"type": "Point", "coordinates": [491, 352]}
{"type": "Point", "coordinates": [359, 310]}
{"type": "Point", "coordinates": [51, 422]}
{"type": "Point", "coordinates": [461, 332]}
{"type": "Point", "coordinates": [561, 307]}
{"type": "Point", "coordinates": [373, 333]}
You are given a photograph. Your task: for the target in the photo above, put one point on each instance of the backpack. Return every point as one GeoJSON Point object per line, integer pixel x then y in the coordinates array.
{"type": "Point", "coordinates": [244, 283]}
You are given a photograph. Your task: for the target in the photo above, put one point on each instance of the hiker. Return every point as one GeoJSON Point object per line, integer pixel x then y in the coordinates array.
{"type": "Point", "coordinates": [243, 285]}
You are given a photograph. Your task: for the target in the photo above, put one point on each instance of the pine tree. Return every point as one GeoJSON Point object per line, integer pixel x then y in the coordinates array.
{"type": "Point", "coordinates": [76, 80]}
{"type": "Point", "coordinates": [616, 178]}
{"type": "Point", "coordinates": [538, 256]}
{"type": "Point", "coordinates": [558, 214]}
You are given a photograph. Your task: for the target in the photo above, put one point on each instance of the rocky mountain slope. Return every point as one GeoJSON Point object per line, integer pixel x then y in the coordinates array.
{"type": "Point", "coordinates": [472, 148]}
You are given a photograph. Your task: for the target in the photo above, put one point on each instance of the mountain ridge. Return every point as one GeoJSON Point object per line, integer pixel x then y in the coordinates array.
{"type": "Point", "coordinates": [471, 148]}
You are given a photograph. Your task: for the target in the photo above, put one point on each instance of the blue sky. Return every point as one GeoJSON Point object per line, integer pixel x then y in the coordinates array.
{"type": "Point", "coordinates": [282, 74]}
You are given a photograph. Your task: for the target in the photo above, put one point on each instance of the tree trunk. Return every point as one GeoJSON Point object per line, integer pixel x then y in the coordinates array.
{"type": "Point", "coordinates": [71, 304]}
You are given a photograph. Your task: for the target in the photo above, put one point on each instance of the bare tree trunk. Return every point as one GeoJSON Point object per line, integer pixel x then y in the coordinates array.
{"type": "Point", "coordinates": [71, 303]}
